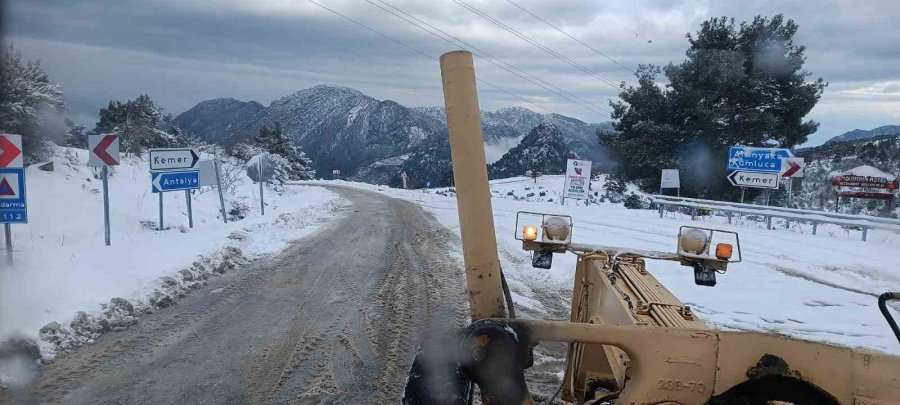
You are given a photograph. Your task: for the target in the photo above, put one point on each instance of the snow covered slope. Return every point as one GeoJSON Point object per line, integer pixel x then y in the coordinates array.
{"type": "Point", "coordinates": [61, 264]}
{"type": "Point", "coordinates": [820, 287]}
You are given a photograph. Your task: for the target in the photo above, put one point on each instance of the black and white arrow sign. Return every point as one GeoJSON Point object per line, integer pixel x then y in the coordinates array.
{"type": "Point", "coordinates": [173, 159]}
{"type": "Point", "coordinates": [754, 179]}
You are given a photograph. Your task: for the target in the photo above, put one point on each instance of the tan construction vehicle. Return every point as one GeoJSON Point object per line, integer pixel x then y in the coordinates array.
{"type": "Point", "coordinates": [630, 340]}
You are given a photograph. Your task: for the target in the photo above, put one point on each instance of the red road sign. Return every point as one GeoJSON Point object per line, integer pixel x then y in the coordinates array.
{"type": "Point", "coordinates": [10, 150]}
{"type": "Point", "coordinates": [794, 168]}
{"type": "Point", "coordinates": [104, 150]}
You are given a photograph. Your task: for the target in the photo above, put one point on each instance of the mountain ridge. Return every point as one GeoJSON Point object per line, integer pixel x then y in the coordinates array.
{"type": "Point", "coordinates": [372, 140]}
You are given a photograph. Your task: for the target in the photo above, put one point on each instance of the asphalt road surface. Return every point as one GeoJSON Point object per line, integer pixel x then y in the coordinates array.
{"type": "Point", "coordinates": [334, 318]}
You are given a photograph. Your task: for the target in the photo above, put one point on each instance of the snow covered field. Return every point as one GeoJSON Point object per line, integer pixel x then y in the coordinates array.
{"type": "Point", "coordinates": [61, 264]}
{"type": "Point", "coordinates": [821, 287]}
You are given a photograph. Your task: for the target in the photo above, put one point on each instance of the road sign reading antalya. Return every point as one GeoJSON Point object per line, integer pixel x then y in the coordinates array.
{"type": "Point", "coordinates": [13, 206]}
{"type": "Point", "coordinates": [757, 159]}
{"type": "Point", "coordinates": [104, 150]}
{"type": "Point", "coordinates": [171, 181]}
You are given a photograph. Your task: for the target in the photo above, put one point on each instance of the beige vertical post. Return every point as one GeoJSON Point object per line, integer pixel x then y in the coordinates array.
{"type": "Point", "coordinates": [473, 195]}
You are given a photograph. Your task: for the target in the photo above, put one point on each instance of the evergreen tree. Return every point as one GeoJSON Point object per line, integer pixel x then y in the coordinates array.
{"type": "Point", "coordinates": [75, 135]}
{"type": "Point", "coordinates": [272, 139]}
{"type": "Point", "coordinates": [26, 94]}
{"type": "Point", "coordinates": [139, 122]}
{"type": "Point", "coordinates": [739, 85]}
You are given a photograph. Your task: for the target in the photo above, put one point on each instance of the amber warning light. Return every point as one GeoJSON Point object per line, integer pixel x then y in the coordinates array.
{"type": "Point", "coordinates": [529, 233]}
{"type": "Point", "coordinates": [723, 251]}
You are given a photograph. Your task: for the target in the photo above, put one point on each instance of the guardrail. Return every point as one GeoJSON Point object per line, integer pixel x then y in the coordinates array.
{"type": "Point", "coordinates": [789, 214]}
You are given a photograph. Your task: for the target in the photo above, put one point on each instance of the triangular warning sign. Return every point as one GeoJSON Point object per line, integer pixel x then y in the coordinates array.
{"type": "Point", "coordinates": [6, 189]}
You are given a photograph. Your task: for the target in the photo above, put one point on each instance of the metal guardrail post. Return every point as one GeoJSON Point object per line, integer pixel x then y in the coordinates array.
{"type": "Point", "coordinates": [865, 231]}
{"type": "Point", "coordinates": [815, 227]}
{"type": "Point", "coordinates": [769, 222]}
{"type": "Point", "coordinates": [662, 207]}
{"type": "Point", "coordinates": [729, 218]}
{"type": "Point", "coordinates": [693, 214]}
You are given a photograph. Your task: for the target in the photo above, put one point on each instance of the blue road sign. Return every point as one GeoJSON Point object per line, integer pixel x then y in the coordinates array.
{"type": "Point", "coordinates": [752, 159]}
{"type": "Point", "coordinates": [171, 181]}
{"type": "Point", "coordinates": [13, 206]}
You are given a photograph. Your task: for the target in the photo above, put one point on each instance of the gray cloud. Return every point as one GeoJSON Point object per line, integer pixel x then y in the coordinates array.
{"type": "Point", "coordinates": [184, 51]}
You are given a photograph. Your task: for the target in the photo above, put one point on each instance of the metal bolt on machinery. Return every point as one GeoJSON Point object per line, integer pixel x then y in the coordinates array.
{"type": "Point", "coordinates": [631, 341]}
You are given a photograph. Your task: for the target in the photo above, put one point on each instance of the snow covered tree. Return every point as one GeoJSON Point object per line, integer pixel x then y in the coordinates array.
{"type": "Point", "coordinates": [272, 139]}
{"type": "Point", "coordinates": [739, 85]}
{"type": "Point", "coordinates": [139, 122]}
{"type": "Point", "coordinates": [75, 135]}
{"type": "Point", "coordinates": [26, 95]}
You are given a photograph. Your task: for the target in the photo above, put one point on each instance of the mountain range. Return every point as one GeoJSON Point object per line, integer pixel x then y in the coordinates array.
{"type": "Point", "coordinates": [857, 134]}
{"type": "Point", "coordinates": [373, 140]}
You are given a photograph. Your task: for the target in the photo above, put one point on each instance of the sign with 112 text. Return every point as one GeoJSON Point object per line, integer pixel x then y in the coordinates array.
{"type": "Point", "coordinates": [13, 205]}
{"type": "Point", "coordinates": [578, 179]}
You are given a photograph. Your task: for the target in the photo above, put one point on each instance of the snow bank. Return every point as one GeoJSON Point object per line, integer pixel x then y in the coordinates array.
{"type": "Point", "coordinates": [820, 287]}
{"type": "Point", "coordinates": [61, 264]}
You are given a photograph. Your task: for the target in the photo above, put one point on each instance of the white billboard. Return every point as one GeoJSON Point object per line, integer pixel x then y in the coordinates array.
{"type": "Point", "coordinates": [578, 179]}
{"type": "Point", "coordinates": [670, 179]}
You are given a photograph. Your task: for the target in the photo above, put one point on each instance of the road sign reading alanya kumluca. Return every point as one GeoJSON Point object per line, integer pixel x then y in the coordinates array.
{"type": "Point", "coordinates": [752, 159]}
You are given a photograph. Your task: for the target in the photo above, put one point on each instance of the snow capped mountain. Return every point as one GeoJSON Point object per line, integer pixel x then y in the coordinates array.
{"type": "Point", "coordinates": [512, 123]}
{"type": "Point", "coordinates": [863, 134]}
{"type": "Point", "coordinates": [213, 119]}
{"type": "Point", "coordinates": [372, 140]}
{"type": "Point", "coordinates": [544, 149]}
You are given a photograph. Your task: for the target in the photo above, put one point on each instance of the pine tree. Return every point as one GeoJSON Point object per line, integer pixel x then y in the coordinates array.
{"type": "Point", "coordinates": [272, 139]}
{"type": "Point", "coordinates": [25, 94]}
{"type": "Point", "coordinates": [75, 135]}
{"type": "Point", "coordinates": [139, 122]}
{"type": "Point", "coordinates": [739, 85]}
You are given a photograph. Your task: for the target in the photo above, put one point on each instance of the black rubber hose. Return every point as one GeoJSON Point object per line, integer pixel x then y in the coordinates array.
{"type": "Point", "coordinates": [882, 305]}
{"type": "Point", "coordinates": [507, 295]}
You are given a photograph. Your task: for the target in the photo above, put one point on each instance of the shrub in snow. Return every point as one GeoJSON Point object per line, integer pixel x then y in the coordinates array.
{"type": "Point", "coordinates": [239, 209]}
{"type": "Point", "coordinates": [635, 201]}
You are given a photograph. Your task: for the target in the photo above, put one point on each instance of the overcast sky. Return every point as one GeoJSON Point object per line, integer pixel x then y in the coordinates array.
{"type": "Point", "coordinates": [181, 52]}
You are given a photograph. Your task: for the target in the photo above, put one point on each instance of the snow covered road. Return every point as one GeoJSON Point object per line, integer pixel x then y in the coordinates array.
{"type": "Point", "coordinates": [335, 317]}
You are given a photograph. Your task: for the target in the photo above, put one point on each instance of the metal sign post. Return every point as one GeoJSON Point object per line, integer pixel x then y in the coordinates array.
{"type": "Point", "coordinates": [106, 204]}
{"type": "Point", "coordinates": [104, 152]}
{"type": "Point", "coordinates": [743, 189]}
{"type": "Point", "coordinates": [7, 231]}
{"type": "Point", "coordinates": [187, 197]}
{"type": "Point", "coordinates": [160, 212]}
{"type": "Point", "coordinates": [219, 186]}
{"type": "Point", "coordinates": [262, 203]}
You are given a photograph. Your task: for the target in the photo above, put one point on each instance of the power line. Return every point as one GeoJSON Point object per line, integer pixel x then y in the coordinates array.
{"type": "Point", "coordinates": [401, 43]}
{"type": "Point", "coordinates": [490, 58]}
{"type": "Point", "coordinates": [540, 46]}
{"type": "Point", "coordinates": [570, 36]}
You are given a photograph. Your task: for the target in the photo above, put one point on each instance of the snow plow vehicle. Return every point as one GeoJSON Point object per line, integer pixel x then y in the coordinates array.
{"type": "Point", "coordinates": [630, 340]}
